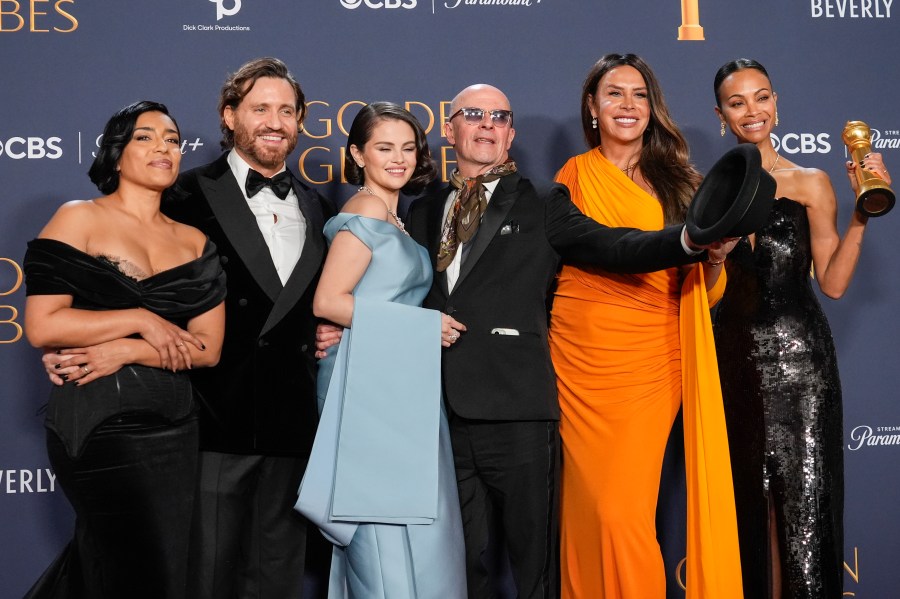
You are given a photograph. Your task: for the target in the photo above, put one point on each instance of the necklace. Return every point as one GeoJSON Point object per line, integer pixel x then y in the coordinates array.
{"type": "Point", "coordinates": [777, 156]}
{"type": "Point", "coordinates": [628, 168]}
{"type": "Point", "coordinates": [391, 212]}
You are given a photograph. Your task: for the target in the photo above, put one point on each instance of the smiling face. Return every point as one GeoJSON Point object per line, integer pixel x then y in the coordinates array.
{"type": "Point", "coordinates": [265, 124]}
{"type": "Point", "coordinates": [482, 146]}
{"type": "Point", "coordinates": [152, 157]}
{"type": "Point", "coordinates": [621, 106]}
{"type": "Point", "coordinates": [747, 105]}
{"type": "Point", "coordinates": [388, 157]}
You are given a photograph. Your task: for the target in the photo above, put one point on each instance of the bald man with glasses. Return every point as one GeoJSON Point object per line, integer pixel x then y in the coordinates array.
{"type": "Point", "coordinates": [496, 241]}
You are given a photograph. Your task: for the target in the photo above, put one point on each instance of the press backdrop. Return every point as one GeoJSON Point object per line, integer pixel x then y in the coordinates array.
{"type": "Point", "coordinates": [66, 65]}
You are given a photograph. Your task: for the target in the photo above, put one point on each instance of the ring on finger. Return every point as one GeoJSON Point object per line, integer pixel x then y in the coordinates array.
{"type": "Point", "coordinates": [86, 369]}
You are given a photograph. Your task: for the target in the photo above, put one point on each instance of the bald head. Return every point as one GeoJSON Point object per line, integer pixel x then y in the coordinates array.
{"type": "Point", "coordinates": [462, 98]}
{"type": "Point", "coordinates": [479, 146]}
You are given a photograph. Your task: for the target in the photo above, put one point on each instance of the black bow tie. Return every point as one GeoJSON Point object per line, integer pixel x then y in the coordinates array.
{"type": "Point", "coordinates": [280, 183]}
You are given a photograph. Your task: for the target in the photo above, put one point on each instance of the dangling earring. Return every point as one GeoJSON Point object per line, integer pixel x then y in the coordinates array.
{"type": "Point", "coordinates": [776, 118]}
{"type": "Point", "coordinates": [594, 123]}
{"type": "Point", "coordinates": [722, 130]}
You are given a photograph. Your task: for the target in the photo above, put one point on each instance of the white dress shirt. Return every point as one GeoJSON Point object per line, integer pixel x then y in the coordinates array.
{"type": "Point", "coordinates": [453, 269]}
{"type": "Point", "coordinates": [280, 221]}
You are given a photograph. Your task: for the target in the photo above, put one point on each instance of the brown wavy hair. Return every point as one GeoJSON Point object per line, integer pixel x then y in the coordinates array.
{"type": "Point", "coordinates": [242, 81]}
{"type": "Point", "coordinates": [664, 160]}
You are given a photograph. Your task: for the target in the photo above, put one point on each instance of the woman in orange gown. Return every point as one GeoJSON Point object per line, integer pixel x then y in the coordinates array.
{"type": "Point", "coordinates": [627, 349]}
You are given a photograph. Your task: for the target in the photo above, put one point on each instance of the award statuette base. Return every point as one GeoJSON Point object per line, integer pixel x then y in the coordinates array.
{"type": "Point", "coordinates": [875, 201]}
{"type": "Point", "coordinates": [690, 33]}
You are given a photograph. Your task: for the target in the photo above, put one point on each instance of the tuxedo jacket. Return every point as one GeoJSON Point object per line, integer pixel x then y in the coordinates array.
{"type": "Point", "coordinates": [260, 398]}
{"type": "Point", "coordinates": [500, 368]}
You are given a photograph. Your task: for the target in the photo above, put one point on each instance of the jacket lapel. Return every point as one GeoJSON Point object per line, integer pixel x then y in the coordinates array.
{"type": "Point", "coordinates": [501, 202]}
{"type": "Point", "coordinates": [311, 257]}
{"type": "Point", "coordinates": [239, 225]}
{"type": "Point", "coordinates": [435, 219]}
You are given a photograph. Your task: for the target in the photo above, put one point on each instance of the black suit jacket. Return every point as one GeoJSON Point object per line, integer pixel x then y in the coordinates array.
{"type": "Point", "coordinates": [260, 398]}
{"type": "Point", "coordinates": [504, 283]}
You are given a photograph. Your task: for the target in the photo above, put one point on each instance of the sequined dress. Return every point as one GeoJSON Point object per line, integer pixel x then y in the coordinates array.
{"type": "Point", "coordinates": [783, 407]}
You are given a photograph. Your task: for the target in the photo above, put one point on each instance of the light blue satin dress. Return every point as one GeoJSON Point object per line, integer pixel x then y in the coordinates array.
{"type": "Point", "coordinates": [380, 482]}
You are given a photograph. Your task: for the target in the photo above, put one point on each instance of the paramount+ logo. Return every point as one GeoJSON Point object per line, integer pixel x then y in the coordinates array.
{"type": "Point", "coordinates": [351, 4]}
{"type": "Point", "coordinates": [32, 148]}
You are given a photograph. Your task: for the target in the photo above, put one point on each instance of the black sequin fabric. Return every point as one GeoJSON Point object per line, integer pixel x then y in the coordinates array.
{"type": "Point", "coordinates": [783, 409]}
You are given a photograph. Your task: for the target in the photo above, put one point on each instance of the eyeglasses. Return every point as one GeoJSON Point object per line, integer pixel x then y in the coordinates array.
{"type": "Point", "coordinates": [474, 116]}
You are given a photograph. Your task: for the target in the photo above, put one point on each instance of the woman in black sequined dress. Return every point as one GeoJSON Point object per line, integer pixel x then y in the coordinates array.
{"type": "Point", "coordinates": [777, 361]}
{"type": "Point", "coordinates": [139, 298]}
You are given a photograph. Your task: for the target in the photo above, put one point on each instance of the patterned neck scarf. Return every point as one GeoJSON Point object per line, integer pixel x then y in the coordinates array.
{"type": "Point", "coordinates": [465, 214]}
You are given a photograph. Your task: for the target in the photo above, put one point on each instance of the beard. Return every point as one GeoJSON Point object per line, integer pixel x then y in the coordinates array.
{"type": "Point", "coordinates": [270, 158]}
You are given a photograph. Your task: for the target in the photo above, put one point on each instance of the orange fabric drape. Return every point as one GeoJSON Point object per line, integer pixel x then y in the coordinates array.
{"type": "Point", "coordinates": [626, 348]}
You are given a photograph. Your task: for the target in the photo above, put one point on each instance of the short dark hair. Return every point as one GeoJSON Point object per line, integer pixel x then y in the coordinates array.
{"type": "Point", "coordinates": [734, 66]}
{"type": "Point", "coordinates": [239, 84]}
{"type": "Point", "coordinates": [361, 131]}
{"type": "Point", "coordinates": [116, 135]}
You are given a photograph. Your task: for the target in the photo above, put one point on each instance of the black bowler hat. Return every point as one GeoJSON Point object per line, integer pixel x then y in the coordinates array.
{"type": "Point", "coordinates": [734, 198]}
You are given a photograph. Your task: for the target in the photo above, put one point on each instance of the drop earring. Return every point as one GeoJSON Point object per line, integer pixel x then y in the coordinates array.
{"type": "Point", "coordinates": [594, 123]}
{"type": "Point", "coordinates": [776, 118]}
{"type": "Point", "coordinates": [722, 129]}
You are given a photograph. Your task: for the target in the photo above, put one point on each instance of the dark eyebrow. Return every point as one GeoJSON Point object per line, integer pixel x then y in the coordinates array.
{"type": "Point", "coordinates": [762, 89]}
{"type": "Point", "coordinates": [169, 130]}
{"type": "Point", "coordinates": [643, 87]}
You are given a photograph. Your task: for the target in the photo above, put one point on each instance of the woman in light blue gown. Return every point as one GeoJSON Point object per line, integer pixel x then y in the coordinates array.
{"type": "Point", "coordinates": [380, 482]}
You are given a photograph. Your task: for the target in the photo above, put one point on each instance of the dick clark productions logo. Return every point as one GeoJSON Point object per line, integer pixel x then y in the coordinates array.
{"type": "Point", "coordinates": [221, 11]}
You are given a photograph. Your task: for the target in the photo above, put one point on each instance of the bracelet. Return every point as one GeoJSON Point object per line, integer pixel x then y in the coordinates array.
{"type": "Point", "coordinates": [720, 262]}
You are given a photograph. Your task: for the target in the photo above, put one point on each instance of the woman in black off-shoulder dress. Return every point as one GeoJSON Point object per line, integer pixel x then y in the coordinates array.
{"type": "Point", "coordinates": [777, 361]}
{"type": "Point", "coordinates": [131, 299]}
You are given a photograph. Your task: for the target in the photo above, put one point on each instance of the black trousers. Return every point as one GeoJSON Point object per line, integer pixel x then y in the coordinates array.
{"type": "Point", "coordinates": [132, 489]}
{"type": "Point", "coordinates": [249, 543]}
{"type": "Point", "coordinates": [508, 475]}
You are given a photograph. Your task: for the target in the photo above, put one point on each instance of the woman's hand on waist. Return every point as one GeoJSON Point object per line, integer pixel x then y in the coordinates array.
{"type": "Point", "coordinates": [85, 364]}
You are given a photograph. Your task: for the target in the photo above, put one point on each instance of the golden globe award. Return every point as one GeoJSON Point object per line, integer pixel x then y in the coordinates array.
{"type": "Point", "coordinates": [874, 197]}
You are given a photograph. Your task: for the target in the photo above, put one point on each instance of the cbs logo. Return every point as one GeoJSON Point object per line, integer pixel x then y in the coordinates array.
{"type": "Point", "coordinates": [801, 143]}
{"type": "Point", "coordinates": [31, 147]}
{"type": "Point", "coordinates": [351, 4]}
